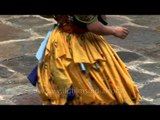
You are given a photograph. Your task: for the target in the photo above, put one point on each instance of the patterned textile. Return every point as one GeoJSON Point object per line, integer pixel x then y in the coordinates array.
{"type": "Point", "coordinates": [86, 18]}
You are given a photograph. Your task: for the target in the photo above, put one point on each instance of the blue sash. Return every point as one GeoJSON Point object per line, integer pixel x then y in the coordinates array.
{"type": "Point", "coordinates": [32, 77]}
{"type": "Point", "coordinates": [41, 50]}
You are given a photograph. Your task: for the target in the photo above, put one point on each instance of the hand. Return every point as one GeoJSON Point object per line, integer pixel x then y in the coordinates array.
{"type": "Point", "coordinates": [120, 32]}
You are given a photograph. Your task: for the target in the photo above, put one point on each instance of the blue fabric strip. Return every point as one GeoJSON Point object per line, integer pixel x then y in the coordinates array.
{"type": "Point", "coordinates": [83, 68]}
{"type": "Point", "coordinates": [71, 94]}
{"type": "Point", "coordinates": [41, 50]}
{"type": "Point", "coordinates": [32, 77]}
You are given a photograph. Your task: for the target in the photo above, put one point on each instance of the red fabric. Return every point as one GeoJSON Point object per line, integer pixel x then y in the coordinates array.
{"type": "Point", "coordinates": [72, 28]}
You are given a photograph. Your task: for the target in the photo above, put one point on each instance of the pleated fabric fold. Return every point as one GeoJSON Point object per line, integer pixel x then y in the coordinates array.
{"type": "Point", "coordinates": [88, 64]}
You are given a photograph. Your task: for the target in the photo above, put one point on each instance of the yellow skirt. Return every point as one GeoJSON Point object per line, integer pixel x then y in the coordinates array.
{"type": "Point", "coordinates": [88, 64]}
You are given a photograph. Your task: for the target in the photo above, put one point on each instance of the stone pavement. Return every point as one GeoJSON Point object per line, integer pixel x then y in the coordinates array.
{"type": "Point", "coordinates": [21, 36]}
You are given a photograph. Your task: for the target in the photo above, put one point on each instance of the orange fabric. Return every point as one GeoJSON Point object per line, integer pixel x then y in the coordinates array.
{"type": "Point", "coordinates": [110, 83]}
